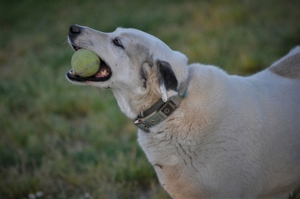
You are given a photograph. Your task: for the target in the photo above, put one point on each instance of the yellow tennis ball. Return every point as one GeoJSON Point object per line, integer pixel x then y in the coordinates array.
{"type": "Point", "coordinates": [85, 63]}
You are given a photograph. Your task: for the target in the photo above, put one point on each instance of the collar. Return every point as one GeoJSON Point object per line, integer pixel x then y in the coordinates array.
{"type": "Point", "coordinates": [160, 110]}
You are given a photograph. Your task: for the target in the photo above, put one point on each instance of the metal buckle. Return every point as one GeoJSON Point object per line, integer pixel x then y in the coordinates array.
{"type": "Point", "coordinates": [141, 125]}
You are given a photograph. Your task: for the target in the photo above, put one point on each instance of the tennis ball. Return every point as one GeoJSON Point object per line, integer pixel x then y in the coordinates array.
{"type": "Point", "coordinates": [85, 63]}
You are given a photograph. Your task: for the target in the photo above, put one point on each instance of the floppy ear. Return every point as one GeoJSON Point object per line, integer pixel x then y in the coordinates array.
{"type": "Point", "coordinates": [167, 80]}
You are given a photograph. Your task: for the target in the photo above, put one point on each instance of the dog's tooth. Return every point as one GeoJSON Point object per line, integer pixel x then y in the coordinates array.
{"type": "Point", "coordinates": [104, 72]}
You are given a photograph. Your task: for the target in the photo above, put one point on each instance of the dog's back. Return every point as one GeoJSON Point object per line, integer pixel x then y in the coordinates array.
{"type": "Point", "coordinates": [254, 129]}
{"type": "Point", "coordinates": [288, 66]}
{"type": "Point", "coordinates": [279, 86]}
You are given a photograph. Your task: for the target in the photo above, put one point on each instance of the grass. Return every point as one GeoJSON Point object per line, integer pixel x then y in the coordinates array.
{"type": "Point", "coordinates": [63, 141]}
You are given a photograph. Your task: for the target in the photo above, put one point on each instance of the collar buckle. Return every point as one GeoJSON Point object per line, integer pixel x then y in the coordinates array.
{"type": "Point", "coordinates": [141, 125]}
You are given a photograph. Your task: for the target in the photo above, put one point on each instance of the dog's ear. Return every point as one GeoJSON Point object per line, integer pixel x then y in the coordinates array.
{"type": "Point", "coordinates": [167, 80]}
{"type": "Point", "coordinates": [168, 75]}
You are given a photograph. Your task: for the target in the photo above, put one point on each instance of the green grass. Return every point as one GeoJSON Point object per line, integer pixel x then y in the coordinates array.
{"type": "Point", "coordinates": [68, 141]}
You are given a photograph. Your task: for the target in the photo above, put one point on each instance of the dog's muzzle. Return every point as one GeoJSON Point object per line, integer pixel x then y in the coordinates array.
{"type": "Point", "coordinates": [104, 73]}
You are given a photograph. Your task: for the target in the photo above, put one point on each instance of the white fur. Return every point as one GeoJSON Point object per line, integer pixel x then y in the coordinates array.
{"type": "Point", "coordinates": [231, 136]}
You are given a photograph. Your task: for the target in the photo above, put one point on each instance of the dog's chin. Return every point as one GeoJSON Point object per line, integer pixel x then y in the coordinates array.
{"type": "Point", "coordinates": [103, 74]}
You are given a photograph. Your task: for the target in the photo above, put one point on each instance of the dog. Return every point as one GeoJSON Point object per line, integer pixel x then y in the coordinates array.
{"type": "Point", "coordinates": [206, 133]}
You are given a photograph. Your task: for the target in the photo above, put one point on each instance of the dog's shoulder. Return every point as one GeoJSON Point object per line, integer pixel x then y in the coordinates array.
{"type": "Point", "coordinates": [289, 65]}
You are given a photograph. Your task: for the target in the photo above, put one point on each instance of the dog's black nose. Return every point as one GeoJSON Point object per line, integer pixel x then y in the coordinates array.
{"type": "Point", "coordinates": [74, 30]}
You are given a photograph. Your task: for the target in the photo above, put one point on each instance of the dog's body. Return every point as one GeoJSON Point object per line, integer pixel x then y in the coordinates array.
{"type": "Point", "coordinates": [230, 137]}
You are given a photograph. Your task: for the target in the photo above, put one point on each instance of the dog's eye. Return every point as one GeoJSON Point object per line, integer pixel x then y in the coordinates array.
{"type": "Point", "coordinates": [117, 42]}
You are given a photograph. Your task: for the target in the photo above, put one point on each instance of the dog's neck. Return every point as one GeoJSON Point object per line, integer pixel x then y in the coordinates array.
{"type": "Point", "coordinates": [157, 113]}
{"type": "Point", "coordinates": [134, 100]}
{"type": "Point", "coordinates": [135, 105]}
{"type": "Point", "coordinates": [156, 110]}
{"type": "Point", "coordinates": [132, 103]}
{"type": "Point", "coordinates": [157, 105]}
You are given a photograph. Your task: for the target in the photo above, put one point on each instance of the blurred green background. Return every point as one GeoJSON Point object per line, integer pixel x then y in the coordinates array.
{"type": "Point", "coordinates": [58, 140]}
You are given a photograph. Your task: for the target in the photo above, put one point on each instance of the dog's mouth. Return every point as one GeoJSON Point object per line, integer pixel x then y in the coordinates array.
{"type": "Point", "coordinates": [104, 73]}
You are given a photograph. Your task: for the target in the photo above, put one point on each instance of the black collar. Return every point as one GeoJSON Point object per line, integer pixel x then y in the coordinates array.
{"type": "Point", "coordinates": [152, 109]}
{"type": "Point", "coordinates": [160, 110]}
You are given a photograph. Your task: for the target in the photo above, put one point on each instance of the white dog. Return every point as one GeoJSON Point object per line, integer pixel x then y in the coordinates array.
{"type": "Point", "coordinates": [206, 133]}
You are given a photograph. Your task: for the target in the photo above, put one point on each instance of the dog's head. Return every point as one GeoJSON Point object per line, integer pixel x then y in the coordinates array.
{"type": "Point", "coordinates": [134, 65]}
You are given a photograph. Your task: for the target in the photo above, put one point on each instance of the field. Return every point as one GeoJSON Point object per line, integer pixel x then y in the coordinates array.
{"type": "Point", "coordinates": [61, 141]}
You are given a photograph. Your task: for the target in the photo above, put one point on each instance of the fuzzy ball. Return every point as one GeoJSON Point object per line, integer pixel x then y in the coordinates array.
{"type": "Point", "coordinates": [85, 63]}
